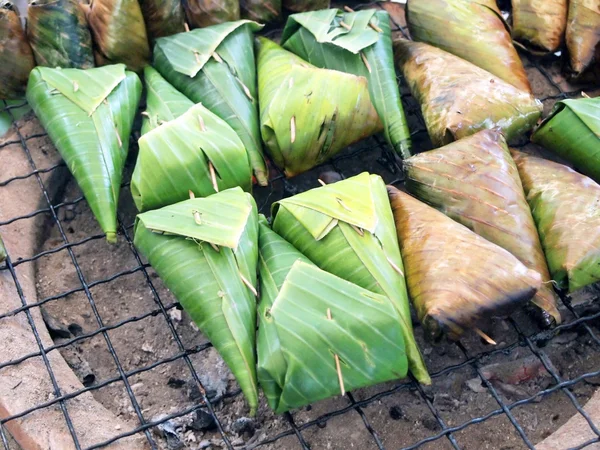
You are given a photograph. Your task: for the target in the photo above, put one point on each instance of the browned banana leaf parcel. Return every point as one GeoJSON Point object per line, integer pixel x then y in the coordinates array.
{"type": "Point", "coordinates": [455, 277]}
{"type": "Point", "coordinates": [476, 182]}
{"type": "Point", "coordinates": [163, 17]}
{"type": "Point", "coordinates": [263, 11]}
{"type": "Point", "coordinates": [539, 24]}
{"type": "Point", "coordinates": [458, 98]}
{"type": "Point", "coordinates": [583, 37]}
{"type": "Point", "coordinates": [566, 209]}
{"type": "Point", "coordinates": [471, 29]}
{"type": "Point", "coordinates": [204, 13]}
{"type": "Point", "coordinates": [305, 5]}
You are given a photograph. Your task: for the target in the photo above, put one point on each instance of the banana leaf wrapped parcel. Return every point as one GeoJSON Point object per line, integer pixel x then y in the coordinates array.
{"type": "Point", "coordinates": [162, 17]}
{"type": "Point", "coordinates": [88, 115]}
{"type": "Point", "coordinates": [16, 57]}
{"type": "Point", "coordinates": [539, 24]}
{"type": "Point", "coordinates": [204, 13]}
{"type": "Point", "coordinates": [305, 5]}
{"type": "Point", "coordinates": [59, 35]}
{"type": "Point", "coordinates": [262, 11]}
{"type": "Point", "coordinates": [456, 278]}
{"type": "Point", "coordinates": [476, 182]}
{"type": "Point", "coordinates": [458, 98]}
{"type": "Point", "coordinates": [347, 229]}
{"type": "Point", "coordinates": [572, 131]}
{"type": "Point", "coordinates": [470, 29]}
{"type": "Point", "coordinates": [359, 43]}
{"type": "Point", "coordinates": [307, 114]}
{"type": "Point", "coordinates": [119, 33]}
{"type": "Point", "coordinates": [3, 253]}
{"type": "Point", "coordinates": [583, 38]}
{"type": "Point", "coordinates": [215, 66]}
{"type": "Point", "coordinates": [565, 206]}
{"type": "Point", "coordinates": [319, 335]}
{"type": "Point", "coordinates": [205, 251]}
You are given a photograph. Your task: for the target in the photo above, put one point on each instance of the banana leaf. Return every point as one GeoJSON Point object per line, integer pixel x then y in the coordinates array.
{"type": "Point", "coordinates": [583, 38]}
{"type": "Point", "coordinates": [16, 57]}
{"type": "Point", "coordinates": [59, 35]}
{"type": "Point", "coordinates": [470, 29]}
{"type": "Point", "coordinates": [305, 5]}
{"type": "Point", "coordinates": [307, 114]}
{"type": "Point", "coordinates": [263, 11]}
{"type": "Point", "coordinates": [297, 341]}
{"type": "Point", "coordinates": [3, 254]}
{"type": "Point", "coordinates": [455, 277]}
{"type": "Point", "coordinates": [119, 33]}
{"type": "Point", "coordinates": [215, 66]}
{"type": "Point", "coordinates": [347, 229]}
{"type": "Point", "coordinates": [204, 13]}
{"type": "Point", "coordinates": [458, 98]}
{"type": "Point", "coordinates": [565, 208]}
{"type": "Point", "coordinates": [162, 17]}
{"type": "Point", "coordinates": [573, 131]}
{"type": "Point", "coordinates": [205, 251]}
{"type": "Point", "coordinates": [539, 24]}
{"type": "Point", "coordinates": [196, 152]}
{"type": "Point", "coordinates": [475, 182]}
{"type": "Point", "coordinates": [323, 39]}
{"type": "Point", "coordinates": [88, 115]}
{"type": "Point", "coordinates": [163, 102]}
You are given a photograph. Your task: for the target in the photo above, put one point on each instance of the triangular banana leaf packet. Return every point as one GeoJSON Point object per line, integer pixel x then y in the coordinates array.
{"type": "Point", "coordinates": [119, 33]}
{"type": "Point", "coordinates": [307, 114]}
{"type": "Point", "coordinates": [455, 277]}
{"type": "Point", "coordinates": [16, 57]}
{"type": "Point", "coordinates": [572, 131]}
{"type": "Point", "coordinates": [162, 17]}
{"type": "Point", "coordinates": [163, 101]}
{"type": "Point", "coordinates": [205, 251]}
{"type": "Point", "coordinates": [566, 209]}
{"type": "Point", "coordinates": [215, 66]}
{"type": "Point", "coordinates": [305, 5]}
{"type": "Point", "coordinates": [583, 38]}
{"type": "Point", "coordinates": [476, 182]}
{"type": "Point", "coordinates": [347, 229]}
{"type": "Point", "coordinates": [539, 25]}
{"type": "Point", "coordinates": [458, 98]}
{"type": "Point", "coordinates": [197, 152]}
{"type": "Point", "coordinates": [262, 11]}
{"type": "Point", "coordinates": [59, 35]}
{"type": "Point", "coordinates": [470, 29]}
{"type": "Point", "coordinates": [319, 335]}
{"type": "Point", "coordinates": [204, 13]}
{"type": "Point", "coordinates": [359, 43]}
{"type": "Point", "coordinates": [88, 115]}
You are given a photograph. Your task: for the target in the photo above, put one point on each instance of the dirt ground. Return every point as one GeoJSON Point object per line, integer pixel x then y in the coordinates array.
{"type": "Point", "coordinates": [399, 416]}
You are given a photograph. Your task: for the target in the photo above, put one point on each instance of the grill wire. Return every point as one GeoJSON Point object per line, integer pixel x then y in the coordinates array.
{"type": "Point", "coordinates": [388, 163]}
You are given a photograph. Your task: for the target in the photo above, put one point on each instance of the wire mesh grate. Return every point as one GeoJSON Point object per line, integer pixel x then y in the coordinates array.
{"type": "Point", "coordinates": [297, 428]}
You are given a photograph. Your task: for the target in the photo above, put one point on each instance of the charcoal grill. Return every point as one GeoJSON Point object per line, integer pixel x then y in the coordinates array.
{"type": "Point", "coordinates": [380, 409]}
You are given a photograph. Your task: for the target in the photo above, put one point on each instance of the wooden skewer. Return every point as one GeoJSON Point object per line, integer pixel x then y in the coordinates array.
{"type": "Point", "coordinates": [213, 176]}
{"type": "Point", "coordinates": [197, 55]}
{"type": "Point", "coordinates": [375, 27]}
{"type": "Point", "coordinates": [584, 95]}
{"type": "Point", "coordinates": [322, 182]}
{"type": "Point", "coordinates": [293, 128]}
{"type": "Point", "coordinates": [345, 25]}
{"type": "Point", "coordinates": [217, 57]}
{"type": "Point", "coordinates": [338, 368]}
{"type": "Point", "coordinates": [348, 9]}
{"type": "Point", "coordinates": [394, 266]}
{"type": "Point", "coordinates": [118, 137]}
{"type": "Point", "coordinates": [364, 58]}
{"type": "Point", "coordinates": [215, 247]}
{"type": "Point", "coordinates": [246, 90]}
{"type": "Point", "coordinates": [247, 283]}
{"type": "Point", "coordinates": [146, 113]}
{"type": "Point", "coordinates": [192, 195]}
{"type": "Point", "coordinates": [186, 26]}
{"type": "Point", "coordinates": [202, 124]}
{"type": "Point", "coordinates": [342, 204]}
{"type": "Point", "coordinates": [358, 230]}
{"type": "Point", "coordinates": [485, 337]}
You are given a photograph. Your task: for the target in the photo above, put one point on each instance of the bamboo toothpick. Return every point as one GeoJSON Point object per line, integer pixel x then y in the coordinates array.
{"type": "Point", "coordinates": [192, 195]}
{"type": "Point", "coordinates": [293, 128]}
{"type": "Point", "coordinates": [364, 58]}
{"type": "Point", "coordinates": [186, 26]}
{"type": "Point", "coordinates": [245, 89]}
{"type": "Point", "coordinates": [394, 266]}
{"type": "Point", "coordinates": [146, 113]}
{"type": "Point", "coordinates": [215, 247]}
{"type": "Point", "coordinates": [358, 230]}
{"type": "Point", "coordinates": [197, 55]}
{"type": "Point", "coordinates": [201, 122]}
{"type": "Point", "coordinates": [348, 9]}
{"type": "Point", "coordinates": [196, 214]}
{"type": "Point", "coordinates": [247, 283]}
{"type": "Point", "coordinates": [118, 137]}
{"type": "Point", "coordinates": [375, 27]}
{"type": "Point", "coordinates": [217, 57]}
{"type": "Point", "coordinates": [213, 176]}
{"type": "Point", "coordinates": [338, 368]}
{"type": "Point", "coordinates": [75, 86]}
{"type": "Point", "coordinates": [322, 182]}
{"type": "Point", "coordinates": [485, 337]}
{"type": "Point", "coordinates": [345, 25]}
{"type": "Point", "coordinates": [342, 204]}
{"type": "Point", "coordinates": [584, 95]}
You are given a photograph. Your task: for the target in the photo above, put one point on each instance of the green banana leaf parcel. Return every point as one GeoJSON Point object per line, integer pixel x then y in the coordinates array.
{"type": "Point", "coordinates": [16, 57]}
{"type": "Point", "coordinates": [572, 131]}
{"type": "Point", "coordinates": [205, 251]}
{"type": "Point", "coordinates": [359, 43]}
{"type": "Point", "coordinates": [215, 66]}
{"type": "Point", "coordinates": [347, 229]}
{"type": "Point", "coordinates": [204, 13]}
{"type": "Point", "coordinates": [565, 208]}
{"type": "Point", "coordinates": [262, 11]}
{"type": "Point", "coordinates": [475, 182]}
{"type": "Point", "coordinates": [162, 17]}
{"type": "Point", "coordinates": [307, 114]}
{"type": "Point", "coordinates": [310, 321]}
{"type": "Point", "coordinates": [59, 35]}
{"type": "Point", "coordinates": [88, 115]}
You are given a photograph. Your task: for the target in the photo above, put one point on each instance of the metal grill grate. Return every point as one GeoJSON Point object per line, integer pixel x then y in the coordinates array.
{"type": "Point", "coordinates": [280, 187]}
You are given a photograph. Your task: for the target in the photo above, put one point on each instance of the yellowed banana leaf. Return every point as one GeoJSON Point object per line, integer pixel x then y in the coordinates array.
{"type": "Point", "coordinates": [471, 29]}
{"type": "Point", "coordinates": [347, 229]}
{"type": "Point", "coordinates": [539, 24]}
{"type": "Point", "coordinates": [16, 57]}
{"type": "Point", "coordinates": [262, 11]}
{"type": "Point", "coordinates": [119, 33]}
{"type": "Point", "coordinates": [566, 209]}
{"type": "Point", "coordinates": [458, 98]}
{"type": "Point", "coordinates": [456, 278]}
{"type": "Point", "coordinates": [305, 5]}
{"type": "Point", "coordinates": [475, 182]}
{"type": "Point", "coordinates": [204, 13]}
{"type": "Point", "coordinates": [163, 17]}
{"type": "Point", "coordinates": [583, 38]}
{"type": "Point", "coordinates": [307, 114]}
